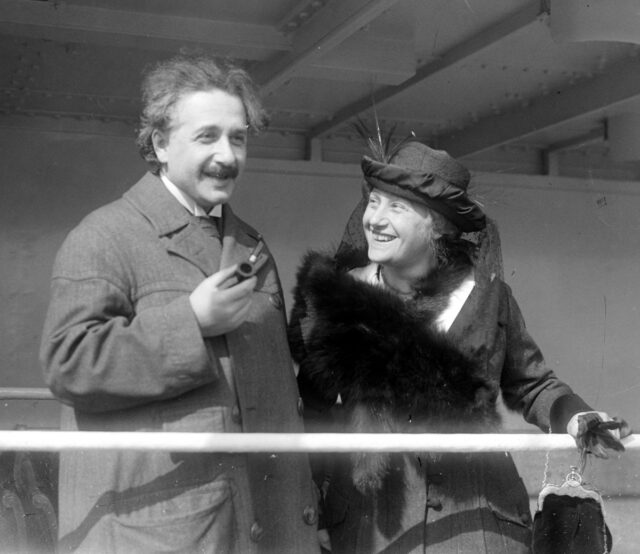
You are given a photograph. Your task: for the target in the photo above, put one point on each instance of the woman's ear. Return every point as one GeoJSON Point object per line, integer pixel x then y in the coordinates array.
{"type": "Point", "coordinates": [437, 225]}
{"type": "Point", "coordinates": [442, 227]}
{"type": "Point", "coordinates": [436, 231]}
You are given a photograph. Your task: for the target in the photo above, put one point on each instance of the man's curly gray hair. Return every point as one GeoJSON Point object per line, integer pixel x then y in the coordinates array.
{"type": "Point", "coordinates": [166, 82]}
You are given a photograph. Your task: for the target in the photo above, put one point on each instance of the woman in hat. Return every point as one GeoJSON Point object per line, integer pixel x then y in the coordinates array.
{"type": "Point", "coordinates": [413, 332]}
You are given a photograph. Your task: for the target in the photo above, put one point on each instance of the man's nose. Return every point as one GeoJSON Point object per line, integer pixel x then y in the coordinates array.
{"type": "Point", "coordinates": [223, 151]}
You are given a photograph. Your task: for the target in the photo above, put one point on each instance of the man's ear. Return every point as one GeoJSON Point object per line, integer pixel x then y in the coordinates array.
{"type": "Point", "coordinates": [160, 142]}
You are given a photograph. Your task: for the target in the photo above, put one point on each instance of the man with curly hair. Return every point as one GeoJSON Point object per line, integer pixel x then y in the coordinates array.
{"type": "Point", "coordinates": [150, 329]}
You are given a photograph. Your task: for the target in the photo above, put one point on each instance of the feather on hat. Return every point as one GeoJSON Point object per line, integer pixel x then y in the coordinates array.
{"type": "Point", "coordinates": [413, 170]}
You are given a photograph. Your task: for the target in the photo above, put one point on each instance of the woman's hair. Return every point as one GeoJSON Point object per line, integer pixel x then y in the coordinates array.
{"type": "Point", "coordinates": [443, 226]}
{"type": "Point", "coordinates": [166, 82]}
{"type": "Point", "coordinates": [448, 245]}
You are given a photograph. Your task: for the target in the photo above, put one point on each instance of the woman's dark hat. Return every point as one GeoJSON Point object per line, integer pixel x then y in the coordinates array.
{"type": "Point", "coordinates": [431, 177]}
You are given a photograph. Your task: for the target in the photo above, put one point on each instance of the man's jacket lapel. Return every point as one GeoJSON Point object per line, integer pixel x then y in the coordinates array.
{"type": "Point", "coordinates": [175, 226]}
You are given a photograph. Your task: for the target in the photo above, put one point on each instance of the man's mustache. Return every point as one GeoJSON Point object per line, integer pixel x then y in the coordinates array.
{"type": "Point", "coordinates": [223, 172]}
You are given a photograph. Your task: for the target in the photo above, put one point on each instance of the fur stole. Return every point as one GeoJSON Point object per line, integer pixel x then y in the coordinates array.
{"type": "Point", "coordinates": [393, 371]}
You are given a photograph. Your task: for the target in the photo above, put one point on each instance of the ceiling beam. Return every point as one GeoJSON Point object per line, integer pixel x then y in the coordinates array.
{"type": "Point", "coordinates": [550, 155]}
{"type": "Point", "coordinates": [335, 22]}
{"type": "Point", "coordinates": [62, 21]}
{"type": "Point", "coordinates": [364, 58]}
{"type": "Point", "coordinates": [594, 136]}
{"type": "Point", "coordinates": [480, 41]}
{"type": "Point", "coordinates": [620, 84]}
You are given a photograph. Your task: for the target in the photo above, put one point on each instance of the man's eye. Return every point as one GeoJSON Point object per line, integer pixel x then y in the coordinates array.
{"type": "Point", "coordinates": [239, 140]}
{"type": "Point", "coordinates": [208, 137]}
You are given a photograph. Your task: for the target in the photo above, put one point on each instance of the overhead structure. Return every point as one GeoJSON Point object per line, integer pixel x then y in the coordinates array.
{"type": "Point", "coordinates": [501, 83]}
{"type": "Point", "coordinates": [588, 20]}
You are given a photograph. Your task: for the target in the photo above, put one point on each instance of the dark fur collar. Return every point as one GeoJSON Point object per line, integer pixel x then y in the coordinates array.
{"type": "Point", "coordinates": [368, 345]}
{"type": "Point", "coordinates": [392, 370]}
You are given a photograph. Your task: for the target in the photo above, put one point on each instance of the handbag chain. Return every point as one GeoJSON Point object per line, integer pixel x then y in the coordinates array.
{"type": "Point", "coordinates": [575, 474]}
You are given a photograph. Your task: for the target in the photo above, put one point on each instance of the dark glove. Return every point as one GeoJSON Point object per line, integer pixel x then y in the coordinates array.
{"type": "Point", "coordinates": [596, 433]}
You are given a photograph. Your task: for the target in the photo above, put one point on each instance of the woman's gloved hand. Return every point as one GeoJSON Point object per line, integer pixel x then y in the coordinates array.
{"type": "Point", "coordinates": [597, 433]}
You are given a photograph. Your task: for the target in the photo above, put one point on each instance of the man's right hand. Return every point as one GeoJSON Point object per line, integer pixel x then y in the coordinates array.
{"type": "Point", "coordinates": [220, 305]}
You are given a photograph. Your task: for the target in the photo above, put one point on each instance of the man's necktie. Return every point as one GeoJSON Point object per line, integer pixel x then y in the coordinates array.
{"type": "Point", "coordinates": [209, 225]}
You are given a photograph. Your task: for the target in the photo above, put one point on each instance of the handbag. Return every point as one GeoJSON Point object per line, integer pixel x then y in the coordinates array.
{"type": "Point", "coordinates": [570, 518]}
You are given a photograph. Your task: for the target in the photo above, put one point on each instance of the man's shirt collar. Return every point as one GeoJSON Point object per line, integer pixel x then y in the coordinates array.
{"type": "Point", "coordinates": [189, 203]}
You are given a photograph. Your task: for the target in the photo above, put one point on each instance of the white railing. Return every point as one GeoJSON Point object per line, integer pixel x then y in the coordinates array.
{"type": "Point", "coordinates": [287, 442]}
{"type": "Point", "coordinates": [36, 441]}
{"type": "Point", "coordinates": [24, 393]}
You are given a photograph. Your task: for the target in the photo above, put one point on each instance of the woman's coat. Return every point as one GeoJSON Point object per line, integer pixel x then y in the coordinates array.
{"type": "Point", "coordinates": [409, 378]}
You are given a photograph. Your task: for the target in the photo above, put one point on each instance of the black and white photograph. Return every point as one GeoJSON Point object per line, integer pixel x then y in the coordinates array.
{"type": "Point", "coordinates": [320, 276]}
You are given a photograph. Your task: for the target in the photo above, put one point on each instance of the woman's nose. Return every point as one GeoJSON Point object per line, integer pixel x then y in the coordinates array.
{"type": "Point", "coordinates": [378, 217]}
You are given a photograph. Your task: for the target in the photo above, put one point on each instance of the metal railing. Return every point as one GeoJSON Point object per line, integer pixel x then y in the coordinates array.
{"type": "Point", "coordinates": [24, 393]}
{"type": "Point", "coordinates": [34, 441]}
{"type": "Point", "coordinates": [38, 441]}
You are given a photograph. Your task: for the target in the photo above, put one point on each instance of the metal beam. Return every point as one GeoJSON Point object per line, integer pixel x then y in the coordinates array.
{"type": "Point", "coordinates": [58, 20]}
{"type": "Point", "coordinates": [620, 84]}
{"type": "Point", "coordinates": [334, 23]}
{"type": "Point", "coordinates": [597, 135]}
{"type": "Point", "coordinates": [482, 40]}
{"type": "Point", "coordinates": [550, 159]}
{"type": "Point", "coordinates": [365, 57]}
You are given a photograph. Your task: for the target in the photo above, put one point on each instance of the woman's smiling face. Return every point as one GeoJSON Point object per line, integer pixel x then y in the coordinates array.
{"type": "Point", "coordinates": [399, 232]}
